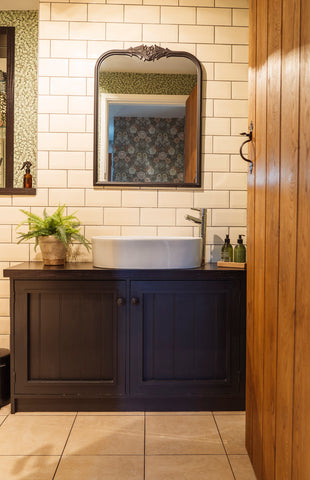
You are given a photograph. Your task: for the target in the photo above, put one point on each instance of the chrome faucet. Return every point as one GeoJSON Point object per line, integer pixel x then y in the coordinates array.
{"type": "Point", "coordinates": [202, 221]}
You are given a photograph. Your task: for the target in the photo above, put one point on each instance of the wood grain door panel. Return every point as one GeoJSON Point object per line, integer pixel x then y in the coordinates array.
{"type": "Point", "coordinates": [278, 346]}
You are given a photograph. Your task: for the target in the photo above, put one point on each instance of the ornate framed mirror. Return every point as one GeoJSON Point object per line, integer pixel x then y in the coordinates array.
{"type": "Point", "coordinates": [147, 118]}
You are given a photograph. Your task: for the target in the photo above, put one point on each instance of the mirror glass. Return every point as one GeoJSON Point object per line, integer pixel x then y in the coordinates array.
{"type": "Point", "coordinates": [147, 118]}
{"type": "Point", "coordinates": [3, 102]}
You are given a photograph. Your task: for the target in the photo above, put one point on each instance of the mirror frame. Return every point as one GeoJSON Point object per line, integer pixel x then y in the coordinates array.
{"type": "Point", "coordinates": [146, 54]}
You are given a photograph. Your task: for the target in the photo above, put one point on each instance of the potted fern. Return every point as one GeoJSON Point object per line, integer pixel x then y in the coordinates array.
{"type": "Point", "coordinates": [53, 233]}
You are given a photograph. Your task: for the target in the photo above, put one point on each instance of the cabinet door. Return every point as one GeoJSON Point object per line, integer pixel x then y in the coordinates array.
{"type": "Point", "coordinates": [69, 337]}
{"type": "Point", "coordinates": [187, 338]}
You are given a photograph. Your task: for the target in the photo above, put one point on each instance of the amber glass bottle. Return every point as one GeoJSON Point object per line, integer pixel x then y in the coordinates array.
{"type": "Point", "coordinates": [27, 176]}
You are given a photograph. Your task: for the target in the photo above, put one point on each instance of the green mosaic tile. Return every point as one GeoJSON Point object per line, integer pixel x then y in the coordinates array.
{"type": "Point", "coordinates": [26, 90]}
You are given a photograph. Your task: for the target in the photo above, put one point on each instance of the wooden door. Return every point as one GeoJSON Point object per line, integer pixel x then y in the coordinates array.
{"type": "Point", "coordinates": [69, 337]}
{"type": "Point", "coordinates": [278, 307]}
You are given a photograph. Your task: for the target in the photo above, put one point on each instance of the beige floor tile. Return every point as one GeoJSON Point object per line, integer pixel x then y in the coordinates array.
{"type": "Point", "coordinates": [182, 435]}
{"type": "Point", "coordinates": [232, 430]}
{"type": "Point", "coordinates": [31, 435]}
{"type": "Point", "coordinates": [104, 435]}
{"type": "Point", "coordinates": [5, 410]}
{"type": "Point", "coordinates": [234, 412]}
{"type": "Point", "coordinates": [242, 467]}
{"type": "Point", "coordinates": [68, 414]}
{"type": "Point", "coordinates": [177, 413]}
{"type": "Point", "coordinates": [101, 468]}
{"type": "Point", "coordinates": [112, 413]}
{"type": "Point", "coordinates": [2, 418]}
{"type": "Point", "coordinates": [28, 467]}
{"type": "Point", "coordinates": [187, 467]}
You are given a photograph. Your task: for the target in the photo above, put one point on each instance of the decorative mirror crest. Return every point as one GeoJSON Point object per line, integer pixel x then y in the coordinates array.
{"type": "Point", "coordinates": [149, 53]}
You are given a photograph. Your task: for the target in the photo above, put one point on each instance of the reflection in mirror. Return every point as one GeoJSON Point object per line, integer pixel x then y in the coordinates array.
{"type": "Point", "coordinates": [3, 76]}
{"type": "Point", "coordinates": [6, 82]}
{"type": "Point", "coordinates": [147, 118]}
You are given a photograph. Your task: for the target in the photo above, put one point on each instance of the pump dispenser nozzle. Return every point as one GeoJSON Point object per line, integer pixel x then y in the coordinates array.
{"type": "Point", "coordinates": [240, 239]}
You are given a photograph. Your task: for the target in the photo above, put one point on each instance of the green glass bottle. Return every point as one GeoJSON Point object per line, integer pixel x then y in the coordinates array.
{"type": "Point", "coordinates": [240, 251]}
{"type": "Point", "coordinates": [227, 251]}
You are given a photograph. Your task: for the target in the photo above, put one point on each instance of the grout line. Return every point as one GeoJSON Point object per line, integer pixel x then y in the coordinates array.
{"type": "Point", "coordinates": [133, 455]}
{"type": "Point", "coordinates": [28, 455]}
{"type": "Point", "coordinates": [227, 456]}
{"type": "Point", "coordinates": [7, 415]}
{"type": "Point", "coordinates": [61, 455]}
{"type": "Point", "coordinates": [103, 414]}
{"type": "Point", "coordinates": [82, 455]}
{"type": "Point", "coordinates": [186, 455]}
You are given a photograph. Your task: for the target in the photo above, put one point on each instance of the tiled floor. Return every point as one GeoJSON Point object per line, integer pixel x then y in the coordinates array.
{"type": "Point", "coordinates": [126, 446]}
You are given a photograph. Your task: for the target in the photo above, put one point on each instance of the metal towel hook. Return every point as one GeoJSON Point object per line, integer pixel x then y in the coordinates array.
{"type": "Point", "coordinates": [246, 141]}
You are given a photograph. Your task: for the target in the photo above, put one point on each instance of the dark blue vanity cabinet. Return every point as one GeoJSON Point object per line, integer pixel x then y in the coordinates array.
{"type": "Point", "coordinates": [70, 338]}
{"type": "Point", "coordinates": [84, 338]}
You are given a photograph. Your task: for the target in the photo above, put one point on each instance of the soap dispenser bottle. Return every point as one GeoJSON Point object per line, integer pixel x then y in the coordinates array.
{"type": "Point", "coordinates": [240, 251]}
{"type": "Point", "coordinates": [227, 251]}
{"type": "Point", "coordinates": [27, 176]}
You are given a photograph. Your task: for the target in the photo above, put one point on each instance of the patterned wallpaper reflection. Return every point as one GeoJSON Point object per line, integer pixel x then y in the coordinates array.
{"type": "Point", "coordinates": [148, 150]}
{"type": "Point", "coordinates": [147, 83]}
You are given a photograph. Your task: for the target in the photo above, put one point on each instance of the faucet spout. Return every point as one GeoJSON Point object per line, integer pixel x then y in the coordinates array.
{"type": "Point", "coordinates": [202, 221]}
{"type": "Point", "coordinates": [193, 219]}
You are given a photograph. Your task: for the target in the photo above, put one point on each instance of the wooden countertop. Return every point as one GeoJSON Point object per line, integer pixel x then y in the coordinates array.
{"type": "Point", "coordinates": [86, 270]}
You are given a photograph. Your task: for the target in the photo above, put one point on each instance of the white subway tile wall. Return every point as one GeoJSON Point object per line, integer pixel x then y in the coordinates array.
{"type": "Point", "coordinates": [72, 35]}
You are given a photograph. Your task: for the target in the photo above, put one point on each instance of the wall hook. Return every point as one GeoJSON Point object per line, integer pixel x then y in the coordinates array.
{"type": "Point", "coordinates": [246, 141]}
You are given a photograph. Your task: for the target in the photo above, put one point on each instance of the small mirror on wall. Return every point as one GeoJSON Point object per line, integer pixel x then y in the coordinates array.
{"type": "Point", "coordinates": [18, 102]}
{"type": "Point", "coordinates": [7, 37]}
{"type": "Point", "coordinates": [147, 118]}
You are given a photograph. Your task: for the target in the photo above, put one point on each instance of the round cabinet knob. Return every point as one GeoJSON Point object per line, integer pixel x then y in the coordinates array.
{"type": "Point", "coordinates": [134, 301]}
{"type": "Point", "coordinates": [120, 301]}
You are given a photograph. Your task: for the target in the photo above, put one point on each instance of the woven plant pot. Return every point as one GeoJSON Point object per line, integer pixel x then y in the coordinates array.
{"type": "Point", "coordinates": [53, 250]}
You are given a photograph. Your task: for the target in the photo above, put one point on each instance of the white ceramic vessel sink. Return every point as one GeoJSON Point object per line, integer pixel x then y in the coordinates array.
{"type": "Point", "coordinates": [146, 252]}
